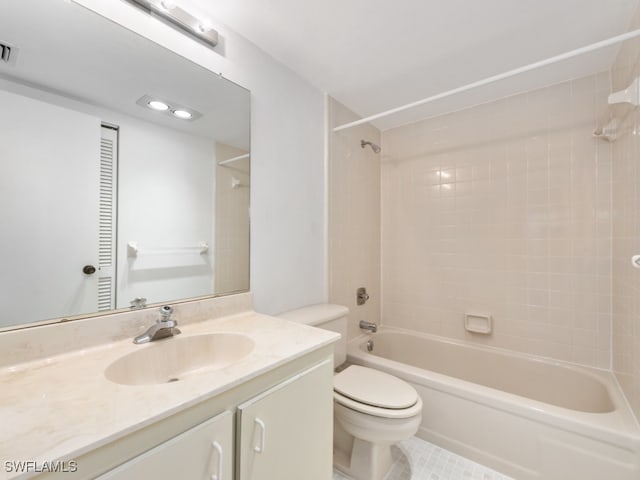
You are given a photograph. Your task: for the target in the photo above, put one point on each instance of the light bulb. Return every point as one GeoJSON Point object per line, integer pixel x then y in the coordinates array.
{"type": "Point", "coordinates": [183, 114]}
{"type": "Point", "coordinates": [158, 105]}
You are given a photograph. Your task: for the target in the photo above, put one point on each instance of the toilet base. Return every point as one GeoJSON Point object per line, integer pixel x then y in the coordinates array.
{"type": "Point", "coordinates": [359, 459]}
{"type": "Point", "coordinates": [368, 461]}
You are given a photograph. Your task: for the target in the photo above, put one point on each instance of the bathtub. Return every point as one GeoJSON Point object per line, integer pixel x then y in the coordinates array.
{"type": "Point", "coordinates": [527, 417]}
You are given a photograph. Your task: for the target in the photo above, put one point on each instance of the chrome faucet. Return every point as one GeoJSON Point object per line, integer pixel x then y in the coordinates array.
{"type": "Point", "coordinates": [372, 327]}
{"type": "Point", "coordinates": [164, 327]}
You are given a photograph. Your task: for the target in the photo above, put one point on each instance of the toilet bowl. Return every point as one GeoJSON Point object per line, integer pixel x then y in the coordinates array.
{"type": "Point", "coordinates": [372, 410]}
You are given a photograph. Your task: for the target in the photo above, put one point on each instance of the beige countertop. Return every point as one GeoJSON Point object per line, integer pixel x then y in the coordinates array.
{"type": "Point", "coordinates": [63, 406]}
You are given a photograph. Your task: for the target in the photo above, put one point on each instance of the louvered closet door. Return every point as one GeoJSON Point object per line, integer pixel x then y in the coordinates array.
{"type": "Point", "coordinates": [107, 232]}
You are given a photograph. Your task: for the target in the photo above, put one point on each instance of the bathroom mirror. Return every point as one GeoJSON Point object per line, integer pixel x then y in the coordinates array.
{"type": "Point", "coordinates": [105, 202]}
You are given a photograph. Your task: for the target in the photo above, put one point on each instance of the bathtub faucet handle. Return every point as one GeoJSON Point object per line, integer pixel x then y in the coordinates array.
{"type": "Point", "coordinates": [372, 327]}
{"type": "Point", "coordinates": [362, 296]}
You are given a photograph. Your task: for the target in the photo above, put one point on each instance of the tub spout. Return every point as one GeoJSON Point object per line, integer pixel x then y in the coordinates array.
{"type": "Point", "coordinates": [372, 327]}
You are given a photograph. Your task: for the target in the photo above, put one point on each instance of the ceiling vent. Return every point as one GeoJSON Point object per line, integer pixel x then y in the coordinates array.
{"type": "Point", "coordinates": [7, 53]}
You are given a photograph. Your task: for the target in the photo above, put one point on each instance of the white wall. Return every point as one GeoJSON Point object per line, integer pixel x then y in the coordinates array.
{"type": "Point", "coordinates": [166, 180]}
{"type": "Point", "coordinates": [287, 159]}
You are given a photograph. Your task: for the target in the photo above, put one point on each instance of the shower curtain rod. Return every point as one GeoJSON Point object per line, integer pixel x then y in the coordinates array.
{"type": "Point", "coordinates": [234, 159]}
{"type": "Point", "coordinates": [511, 73]}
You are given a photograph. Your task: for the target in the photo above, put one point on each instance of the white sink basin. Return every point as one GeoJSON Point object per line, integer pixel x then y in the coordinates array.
{"type": "Point", "coordinates": [173, 359]}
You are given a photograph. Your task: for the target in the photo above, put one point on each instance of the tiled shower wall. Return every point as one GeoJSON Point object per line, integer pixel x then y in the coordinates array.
{"type": "Point", "coordinates": [504, 209]}
{"type": "Point", "coordinates": [626, 228]}
{"type": "Point", "coordinates": [231, 261]}
{"type": "Point", "coordinates": [354, 217]}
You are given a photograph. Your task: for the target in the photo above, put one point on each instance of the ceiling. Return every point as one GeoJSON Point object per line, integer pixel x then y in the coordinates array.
{"type": "Point", "coordinates": [374, 55]}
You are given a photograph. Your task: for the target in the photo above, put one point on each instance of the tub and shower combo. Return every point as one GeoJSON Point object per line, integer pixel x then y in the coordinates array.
{"type": "Point", "coordinates": [527, 417]}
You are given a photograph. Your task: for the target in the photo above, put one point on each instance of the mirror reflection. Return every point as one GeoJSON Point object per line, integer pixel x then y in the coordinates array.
{"type": "Point", "coordinates": [124, 169]}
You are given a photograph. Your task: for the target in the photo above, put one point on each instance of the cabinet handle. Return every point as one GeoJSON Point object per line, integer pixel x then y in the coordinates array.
{"type": "Point", "coordinates": [260, 448]}
{"type": "Point", "coordinates": [216, 446]}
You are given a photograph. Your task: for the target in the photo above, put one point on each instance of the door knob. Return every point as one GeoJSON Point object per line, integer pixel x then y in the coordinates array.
{"type": "Point", "coordinates": [88, 269]}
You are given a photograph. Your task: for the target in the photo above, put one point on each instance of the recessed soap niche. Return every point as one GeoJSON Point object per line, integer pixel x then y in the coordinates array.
{"type": "Point", "coordinates": [478, 323]}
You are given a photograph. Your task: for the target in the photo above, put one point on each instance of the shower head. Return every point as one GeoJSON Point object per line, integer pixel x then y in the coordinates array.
{"type": "Point", "coordinates": [374, 147]}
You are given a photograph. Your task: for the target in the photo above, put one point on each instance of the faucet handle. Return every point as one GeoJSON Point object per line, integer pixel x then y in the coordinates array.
{"type": "Point", "coordinates": [362, 296]}
{"type": "Point", "coordinates": [137, 303]}
{"type": "Point", "coordinates": [165, 313]}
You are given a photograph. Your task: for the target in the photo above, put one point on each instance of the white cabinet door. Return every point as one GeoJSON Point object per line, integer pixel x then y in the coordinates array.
{"type": "Point", "coordinates": [286, 433]}
{"type": "Point", "coordinates": [204, 452]}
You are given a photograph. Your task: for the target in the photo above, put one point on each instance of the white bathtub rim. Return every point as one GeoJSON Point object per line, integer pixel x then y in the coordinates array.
{"type": "Point", "coordinates": [618, 427]}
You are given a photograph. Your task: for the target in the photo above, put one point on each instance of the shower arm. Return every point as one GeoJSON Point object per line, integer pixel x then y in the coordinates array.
{"type": "Point", "coordinates": [374, 147]}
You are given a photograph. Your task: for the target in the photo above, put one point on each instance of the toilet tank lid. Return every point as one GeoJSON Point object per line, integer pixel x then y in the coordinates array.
{"type": "Point", "coordinates": [316, 314]}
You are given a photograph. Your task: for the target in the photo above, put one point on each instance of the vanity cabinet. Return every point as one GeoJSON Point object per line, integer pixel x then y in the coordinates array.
{"type": "Point", "coordinates": [286, 433]}
{"type": "Point", "coordinates": [281, 429]}
{"type": "Point", "coordinates": [202, 452]}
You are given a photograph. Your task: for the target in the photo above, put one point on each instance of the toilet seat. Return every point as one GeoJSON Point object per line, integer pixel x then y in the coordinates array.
{"type": "Point", "coordinates": [375, 393]}
{"type": "Point", "coordinates": [377, 411]}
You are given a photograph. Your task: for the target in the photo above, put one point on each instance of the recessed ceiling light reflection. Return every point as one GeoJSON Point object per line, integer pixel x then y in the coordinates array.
{"type": "Point", "coordinates": [183, 114]}
{"type": "Point", "coordinates": [158, 105]}
{"type": "Point", "coordinates": [166, 106]}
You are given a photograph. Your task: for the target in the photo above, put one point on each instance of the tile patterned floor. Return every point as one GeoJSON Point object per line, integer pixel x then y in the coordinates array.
{"type": "Point", "coordinates": [415, 459]}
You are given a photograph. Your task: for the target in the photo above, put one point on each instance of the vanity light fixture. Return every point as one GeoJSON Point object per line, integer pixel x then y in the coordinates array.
{"type": "Point", "coordinates": [168, 4]}
{"type": "Point", "coordinates": [168, 107]}
{"type": "Point", "coordinates": [8, 53]}
{"type": "Point", "coordinates": [5, 52]}
{"type": "Point", "coordinates": [170, 12]}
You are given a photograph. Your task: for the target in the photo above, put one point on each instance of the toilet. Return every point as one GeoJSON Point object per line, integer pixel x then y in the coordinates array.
{"type": "Point", "coordinates": [372, 409]}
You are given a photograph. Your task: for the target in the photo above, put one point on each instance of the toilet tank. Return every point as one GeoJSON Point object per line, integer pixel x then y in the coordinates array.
{"type": "Point", "coordinates": [328, 317]}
